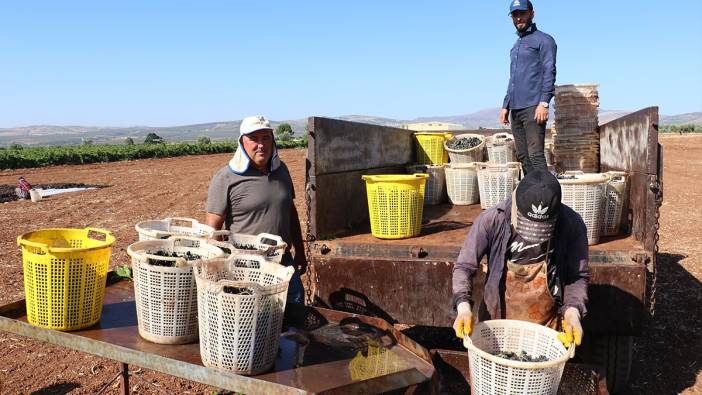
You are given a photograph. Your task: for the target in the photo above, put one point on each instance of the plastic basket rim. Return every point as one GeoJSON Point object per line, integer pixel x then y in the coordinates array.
{"type": "Point", "coordinates": [465, 151]}
{"type": "Point", "coordinates": [456, 166]}
{"type": "Point", "coordinates": [442, 134]}
{"type": "Point", "coordinates": [179, 263]}
{"type": "Point", "coordinates": [490, 165]}
{"type": "Point", "coordinates": [394, 177]}
{"type": "Point", "coordinates": [428, 166]}
{"type": "Point", "coordinates": [284, 272]}
{"type": "Point", "coordinates": [139, 226]}
{"type": "Point", "coordinates": [586, 179]}
{"type": "Point", "coordinates": [23, 241]}
{"type": "Point", "coordinates": [468, 344]}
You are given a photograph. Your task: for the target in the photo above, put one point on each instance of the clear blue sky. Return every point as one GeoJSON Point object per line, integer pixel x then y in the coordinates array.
{"type": "Point", "coordinates": [170, 63]}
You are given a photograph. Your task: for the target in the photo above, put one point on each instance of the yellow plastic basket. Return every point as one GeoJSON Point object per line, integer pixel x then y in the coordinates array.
{"type": "Point", "coordinates": [64, 276]}
{"type": "Point", "coordinates": [430, 148]}
{"type": "Point", "coordinates": [395, 204]}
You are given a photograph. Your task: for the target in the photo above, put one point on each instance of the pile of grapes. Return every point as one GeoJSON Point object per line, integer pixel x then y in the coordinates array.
{"type": "Point", "coordinates": [521, 357]}
{"type": "Point", "coordinates": [249, 247]}
{"type": "Point", "coordinates": [463, 143]}
{"type": "Point", "coordinates": [188, 257]}
{"type": "Point", "coordinates": [238, 291]}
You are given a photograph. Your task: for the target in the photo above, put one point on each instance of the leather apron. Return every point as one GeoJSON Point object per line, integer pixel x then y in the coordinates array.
{"type": "Point", "coordinates": [527, 295]}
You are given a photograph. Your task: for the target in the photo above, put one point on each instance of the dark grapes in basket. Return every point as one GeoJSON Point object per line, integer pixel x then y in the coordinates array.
{"type": "Point", "coordinates": [520, 357]}
{"type": "Point", "coordinates": [462, 143]}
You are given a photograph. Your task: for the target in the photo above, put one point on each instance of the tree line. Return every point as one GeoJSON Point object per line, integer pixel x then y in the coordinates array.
{"type": "Point", "coordinates": [16, 156]}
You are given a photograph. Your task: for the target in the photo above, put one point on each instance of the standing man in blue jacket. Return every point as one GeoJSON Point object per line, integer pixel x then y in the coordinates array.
{"type": "Point", "coordinates": [532, 76]}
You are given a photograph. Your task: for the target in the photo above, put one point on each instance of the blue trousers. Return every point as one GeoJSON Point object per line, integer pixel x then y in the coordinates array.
{"type": "Point", "coordinates": [296, 292]}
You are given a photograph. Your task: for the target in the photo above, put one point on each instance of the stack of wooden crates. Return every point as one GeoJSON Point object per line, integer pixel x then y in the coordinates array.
{"type": "Point", "coordinates": [575, 135]}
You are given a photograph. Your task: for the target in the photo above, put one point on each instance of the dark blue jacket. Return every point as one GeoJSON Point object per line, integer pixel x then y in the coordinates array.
{"type": "Point", "coordinates": [532, 72]}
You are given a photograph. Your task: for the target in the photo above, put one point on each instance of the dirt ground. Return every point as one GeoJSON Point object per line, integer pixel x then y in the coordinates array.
{"type": "Point", "coordinates": [667, 359]}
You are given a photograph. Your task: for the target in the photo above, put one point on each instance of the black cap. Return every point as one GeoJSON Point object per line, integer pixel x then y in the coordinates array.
{"type": "Point", "coordinates": [538, 196]}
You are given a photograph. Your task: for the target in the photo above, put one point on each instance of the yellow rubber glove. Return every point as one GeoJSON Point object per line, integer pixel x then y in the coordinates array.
{"type": "Point", "coordinates": [463, 325]}
{"type": "Point", "coordinates": [572, 329]}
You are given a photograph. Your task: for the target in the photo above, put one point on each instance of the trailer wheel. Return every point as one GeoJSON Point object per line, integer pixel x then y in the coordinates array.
{"type": "Point", "coordinates": [613, 354]}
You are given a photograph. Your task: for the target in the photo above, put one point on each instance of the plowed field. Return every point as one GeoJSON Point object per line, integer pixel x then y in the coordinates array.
{"type": "Point", "coordinates": [668, 359]}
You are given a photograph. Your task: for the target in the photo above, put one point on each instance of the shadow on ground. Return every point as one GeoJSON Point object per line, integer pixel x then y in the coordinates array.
{"type": "Point", "coordinates": [668, 357]}
{"type": "Point", "coordinates": [57, 389]}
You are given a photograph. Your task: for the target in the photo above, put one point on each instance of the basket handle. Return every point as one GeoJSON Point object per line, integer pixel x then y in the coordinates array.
{"type": "Point", "coordinates": [616, 175]}
{"type": "Point", "coordinates": [26, 243]}
{"type": "Point", "coordinates": [220, 235]}
{"type": "Point", "coordinates": [176, 240]}
{"type": "Point", "coordinates": [573, 173]}
{"type": "Point", "coordinates": [107, 233]}
{"type": "Point", "coordinates": [183, 219]}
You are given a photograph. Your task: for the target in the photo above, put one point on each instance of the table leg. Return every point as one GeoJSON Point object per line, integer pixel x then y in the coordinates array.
{"type": "Point", "coordinates": [124, 379]}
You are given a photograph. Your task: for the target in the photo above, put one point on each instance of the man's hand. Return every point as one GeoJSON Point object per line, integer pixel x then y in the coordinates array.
{"type": "Point", "coordinates": [541, 115]}
{"type": "Point", "coordinates": [572, 330]}
{"type": "Point", "coordinates": [464, 320]}
{"type": "Point", "coordinates": [504, 116]}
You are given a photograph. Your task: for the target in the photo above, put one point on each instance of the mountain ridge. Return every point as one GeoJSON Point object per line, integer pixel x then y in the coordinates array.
{"type": "Point", "coordinates": [75, 134]}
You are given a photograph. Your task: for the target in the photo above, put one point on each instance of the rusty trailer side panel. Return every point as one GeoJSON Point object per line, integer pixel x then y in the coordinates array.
{"type": "Point", "coordinates": [409, 281]}
{"type": "Point", "coordinates": [630, 144]}
{"type": "Point", "coordinates": [417, 291]}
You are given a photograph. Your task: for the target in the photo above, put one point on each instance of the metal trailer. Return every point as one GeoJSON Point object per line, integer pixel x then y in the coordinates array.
{"type": "Point", "coordinates": [321, 352]}
{"type": "Point", "coordinates": [409, 281]}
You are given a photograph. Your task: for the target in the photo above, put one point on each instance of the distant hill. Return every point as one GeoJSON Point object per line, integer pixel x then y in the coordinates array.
{"type": "Point", "coordinates": [60, 135]}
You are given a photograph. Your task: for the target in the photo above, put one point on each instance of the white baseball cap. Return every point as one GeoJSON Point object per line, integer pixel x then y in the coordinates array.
{"type": "Point", "coordinates": [254, 124]}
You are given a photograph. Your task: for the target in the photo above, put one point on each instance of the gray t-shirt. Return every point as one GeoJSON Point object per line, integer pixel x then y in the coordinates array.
{"type": "Point", "coordinates": [253, 202]}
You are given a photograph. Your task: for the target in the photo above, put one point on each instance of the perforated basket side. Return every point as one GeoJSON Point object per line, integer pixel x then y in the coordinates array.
{"type": "Point", "coordinates": [395, 207]}
{"type": "Point", "coordinates": [64, 276]}
{"type": "Point", "coordinates": [435, 187]}
{"type": "Point", "coordinates": [588, 201]}
{"type": "Point", "coordinates": [491, 374]}
{"type": "Point", "coordinates": [241, 313]}
{"type": "Point", "coordinates": [430, 148]}
{"type": "Point", "coordinates": [500, 148]}
{"type": "Point", "coordinates": [166, 297]}
{"type": "Point", "coordinates": [462, 184]}
{"type": "Point", "coordinates": [615, 196]}
{"type": "Point", "coordinates": [496, 182]}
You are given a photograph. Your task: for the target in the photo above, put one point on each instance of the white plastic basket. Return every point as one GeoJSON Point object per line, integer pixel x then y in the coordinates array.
{"type": "Point", "coordinates": [500, 148]}
{"type": "Point", "coordinates": [435, 187]}
{"type": "Point", "coordinates": [497, 181]}
{"type": "Point", "coordinates": [586, 195]}
{"type": "Point", "coordinates": [615, 201]}
{"type": "Point", "coordinates": [240, 312]}
{"type": "Point", "coordinates": [165, 297]}
{"type": "Point", "coordinates": [469, 155]}
{"type": "Point", "coordinates": [548, 154]}
{"type": "Point", "coordinates": [462, 183]}
{"type": "Point", "coordinates": [269, 246]}
{"type": "Point", "coordinates": [164, 228]}
{"type": "Point", "coordinates": [490, 374]}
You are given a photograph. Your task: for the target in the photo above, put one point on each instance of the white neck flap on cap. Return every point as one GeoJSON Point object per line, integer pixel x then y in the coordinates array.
{"type": "Point", "coordinates": [240, 161]}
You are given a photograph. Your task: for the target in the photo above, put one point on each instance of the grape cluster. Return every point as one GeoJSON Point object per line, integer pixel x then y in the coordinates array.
{"type": "Point", "coordinates": [464, 143]}
{"type": "Point", "coordinates": [521, 357]}
{"type": "Point", "coordinates": [188, 257]}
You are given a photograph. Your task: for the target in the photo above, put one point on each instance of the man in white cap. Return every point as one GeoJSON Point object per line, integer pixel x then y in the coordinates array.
{"type": "Point", "coordinates": [254, 194]}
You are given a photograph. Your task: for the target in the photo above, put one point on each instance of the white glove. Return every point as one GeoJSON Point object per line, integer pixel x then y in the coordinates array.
{"type": "Point", "coordinates": [572, 329]}
{"type": "Point", "coordinates": [464, 320]}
